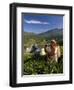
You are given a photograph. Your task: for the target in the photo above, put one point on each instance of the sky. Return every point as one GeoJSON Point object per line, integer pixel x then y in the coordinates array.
{"type": "Point", "coordinates": [37, 23]}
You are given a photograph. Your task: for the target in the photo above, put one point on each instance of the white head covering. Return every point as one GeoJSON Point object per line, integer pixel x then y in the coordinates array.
{"type": "Point", "coordinates": [54, 41]}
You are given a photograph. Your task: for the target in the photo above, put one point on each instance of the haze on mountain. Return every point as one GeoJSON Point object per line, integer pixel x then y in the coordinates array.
{"type": "Point", "coordinates": [50, 33]}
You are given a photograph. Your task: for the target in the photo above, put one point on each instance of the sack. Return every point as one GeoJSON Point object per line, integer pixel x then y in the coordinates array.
{"type": "Point", "coordinates": [58, 51]}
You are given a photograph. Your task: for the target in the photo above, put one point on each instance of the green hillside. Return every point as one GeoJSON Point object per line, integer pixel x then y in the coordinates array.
{"type": "Point", "coordinates": [42, 38]}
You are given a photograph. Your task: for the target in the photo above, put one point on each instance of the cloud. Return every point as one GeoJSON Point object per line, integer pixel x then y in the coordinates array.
{"type": "Point", "coordinates": [35, 22]}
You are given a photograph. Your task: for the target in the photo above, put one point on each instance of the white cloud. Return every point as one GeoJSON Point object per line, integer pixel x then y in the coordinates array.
{"type": "Point", "coordinates": [35, 22]}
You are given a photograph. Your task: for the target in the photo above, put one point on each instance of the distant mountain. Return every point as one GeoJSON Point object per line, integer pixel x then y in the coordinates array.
{"type": "Point", "coordinates": [29, 33]}
{"type": "Point", "coordinates": [52, 33]}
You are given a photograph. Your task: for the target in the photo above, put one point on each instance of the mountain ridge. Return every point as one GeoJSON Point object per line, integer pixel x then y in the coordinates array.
{"type": "Point", "coordinates": [53, 33]}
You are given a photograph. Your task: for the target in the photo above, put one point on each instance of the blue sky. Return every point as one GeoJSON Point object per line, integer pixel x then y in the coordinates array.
{"type": "Point", "coordinates": [41, 23]}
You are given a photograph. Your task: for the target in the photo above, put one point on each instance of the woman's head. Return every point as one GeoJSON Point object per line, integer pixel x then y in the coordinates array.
{"type": "Point", "coordinates": [53, 42]}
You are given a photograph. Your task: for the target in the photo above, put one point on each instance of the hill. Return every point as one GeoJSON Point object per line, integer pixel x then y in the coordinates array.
{"type": "Point", "coordinates": [52, 33]}
{"type": "Point", "coordinates": [47, 36]}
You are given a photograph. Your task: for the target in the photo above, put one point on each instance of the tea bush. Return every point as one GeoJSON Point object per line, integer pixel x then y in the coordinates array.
{"type": "Point", "coordinates": [41, 65]}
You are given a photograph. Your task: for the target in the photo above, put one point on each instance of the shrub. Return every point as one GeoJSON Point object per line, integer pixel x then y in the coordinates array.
{"type": "Point", "coordinates": [33, 66]}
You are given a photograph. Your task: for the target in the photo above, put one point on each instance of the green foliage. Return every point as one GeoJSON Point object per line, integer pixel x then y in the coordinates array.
{"type": "Point", "coordinates": [41, 41]}
{"type": "Point", "coordinates": [41, 65]}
